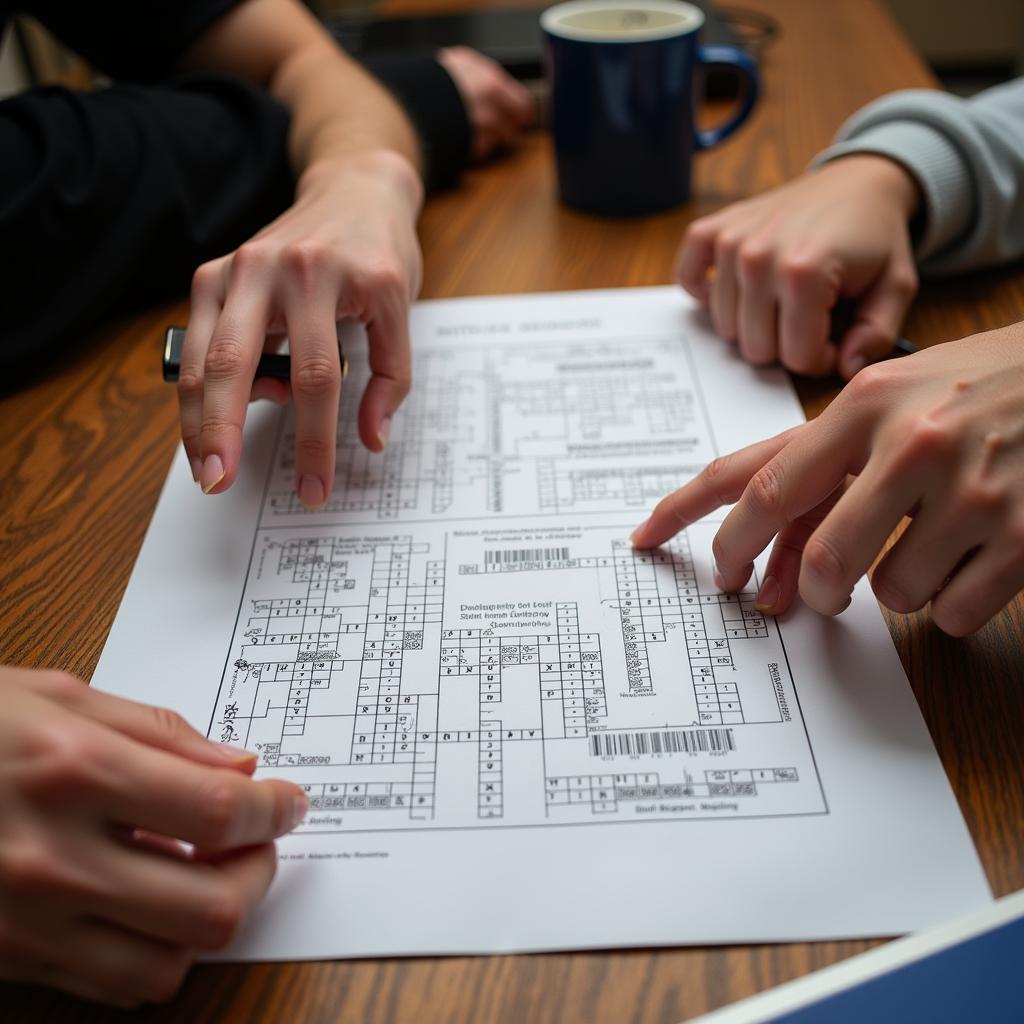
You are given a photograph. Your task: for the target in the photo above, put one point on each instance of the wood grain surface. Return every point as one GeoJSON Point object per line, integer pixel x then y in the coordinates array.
{"type": "Point", "coordinates": [84, 453]}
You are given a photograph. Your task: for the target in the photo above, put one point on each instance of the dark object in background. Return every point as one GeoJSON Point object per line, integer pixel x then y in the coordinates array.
{"type": "Point", "coordinates": [513, 38]}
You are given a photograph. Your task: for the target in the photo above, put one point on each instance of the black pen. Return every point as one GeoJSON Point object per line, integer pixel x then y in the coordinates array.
{"type": "Point", "coordinates": [844, 316]}
{"type": "Point", "coordinates": [272, 364]}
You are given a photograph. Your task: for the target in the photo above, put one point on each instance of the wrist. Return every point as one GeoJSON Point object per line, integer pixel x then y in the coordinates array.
{"type": "Point", "coordinates": [378, 165]}
{"type": "Point", "coordinates": [885, 177]}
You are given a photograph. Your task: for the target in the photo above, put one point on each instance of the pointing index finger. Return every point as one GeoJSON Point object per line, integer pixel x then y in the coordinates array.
{"type": "Point", "coordinates": [155, 727]}
{"type": "Point", "coordinates": [213, 808]}
{"type": "Point", "coordinates": [721, 482]}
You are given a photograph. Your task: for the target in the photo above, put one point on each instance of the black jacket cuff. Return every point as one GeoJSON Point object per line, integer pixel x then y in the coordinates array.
{"type": "Point", "coordinates": [434, 105]}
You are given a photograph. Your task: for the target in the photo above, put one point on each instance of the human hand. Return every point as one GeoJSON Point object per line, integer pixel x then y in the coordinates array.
{"type": "Point", "coordinates": [498, 106]}
{"type": "Point", "coordinates": [98, 896]}
{"type": "Point", "coordinates": [347, 248]}
{"type": "Point", "coordinates": [938, 436]}
{"type": "Point", "coordinates": [772, 268]}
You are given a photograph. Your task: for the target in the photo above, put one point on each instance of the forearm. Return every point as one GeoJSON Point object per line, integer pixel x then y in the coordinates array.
{"type": "Point", "coordinates": [309, 84]}
{"type": "Point", "coordinates": [337, 109]}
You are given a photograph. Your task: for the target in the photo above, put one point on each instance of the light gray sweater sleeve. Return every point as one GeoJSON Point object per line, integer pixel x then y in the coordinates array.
{"type": "Point", "coordinates": [968, 157]}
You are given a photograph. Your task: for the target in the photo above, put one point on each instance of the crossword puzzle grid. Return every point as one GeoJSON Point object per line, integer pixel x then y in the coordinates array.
{"type": "Point", "coordinates": [330, 656]}
{"type": "Point", "coordinates": [489, 412]}
{"type": "Point", "coordinates": [561, 487]}
{"type": "Point", "coordinates": [603, 793]}
{"type": "Point", "coordinates": [658, 590]}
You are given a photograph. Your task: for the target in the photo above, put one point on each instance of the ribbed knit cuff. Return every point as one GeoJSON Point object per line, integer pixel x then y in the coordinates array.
{"type": "Point", "coordinates": [432, 100]}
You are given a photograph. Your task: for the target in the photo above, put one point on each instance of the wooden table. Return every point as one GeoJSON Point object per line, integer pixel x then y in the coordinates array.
{"type": "Point", "coordinates": [83, 456]}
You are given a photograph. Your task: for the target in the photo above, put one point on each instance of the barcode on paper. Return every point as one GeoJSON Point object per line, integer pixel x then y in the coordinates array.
{"type": "Point", "coordinates": [670, 741]}
{"type": "Point", "coordinates": [513, 557]}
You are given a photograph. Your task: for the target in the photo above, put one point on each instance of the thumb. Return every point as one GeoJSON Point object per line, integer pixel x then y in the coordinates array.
{"type": "Point", "coordinates": [878, 318]}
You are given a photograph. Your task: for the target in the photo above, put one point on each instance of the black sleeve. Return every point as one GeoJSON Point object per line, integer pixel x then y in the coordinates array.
{"type": "Point", "coordinates": [142, 41]}
{"type": "Point", "coordinates": [110, 199]}
{"type": "Point", "coordinates": [434, 105]}
{"type": "Point", "coordinates": [134, 40]}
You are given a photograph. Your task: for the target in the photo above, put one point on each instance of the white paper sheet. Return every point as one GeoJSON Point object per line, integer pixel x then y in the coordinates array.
{"type": "Point", "coordinates": [518, 733]}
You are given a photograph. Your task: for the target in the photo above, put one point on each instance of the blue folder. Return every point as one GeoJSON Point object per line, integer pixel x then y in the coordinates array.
{"type": "Point", "coordinates": [968, 970]}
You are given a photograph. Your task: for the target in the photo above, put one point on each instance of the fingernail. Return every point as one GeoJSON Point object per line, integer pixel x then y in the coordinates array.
{"type": "Point", "coordinates": [300, 806]}
{"type": "Point", "coordinates": [196, 465]}
{"type": "Point", "coordinates": [768, 596]}
{"type": "Point", "coordinates": [232, 754]}
{"type": "Point", "coordinates": [639, 529]}
{"type": "Point", "coordinates": [385, 432]}
{"type": "Point", "coordinates": [211, 473]}
{"type": "Point", "coordinates": [312, 493]}
{"type": "Point", "coordinates": [855, 364]}
{"type": "Point", "coordinates": [719, 578]}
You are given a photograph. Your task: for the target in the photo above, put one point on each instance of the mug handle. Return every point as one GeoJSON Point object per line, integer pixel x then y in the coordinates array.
{"type": "Point", "coordinates": [735, 58]}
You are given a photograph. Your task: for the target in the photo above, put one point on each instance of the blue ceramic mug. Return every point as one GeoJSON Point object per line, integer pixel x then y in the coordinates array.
{"type": "Point", "coordinates": [621, 76]}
